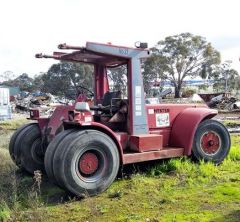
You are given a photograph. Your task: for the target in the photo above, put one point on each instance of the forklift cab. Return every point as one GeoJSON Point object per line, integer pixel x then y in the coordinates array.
{"type": "Point", "coordinates": [112, 112]}
{"type": "Point", "coordinates": [109, 107]}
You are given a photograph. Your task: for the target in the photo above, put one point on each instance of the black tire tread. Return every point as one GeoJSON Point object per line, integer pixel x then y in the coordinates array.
{"type": "Point", "coordinates": [49, 154]}
{"type": "Point", "coordinates": [14, 148]}
{"type": "Point", "coordinates": [28, 137]}
{"type": "Point", "coordinates": [59, 154]}
{"type": "Point", "coordinates": [65, 153]}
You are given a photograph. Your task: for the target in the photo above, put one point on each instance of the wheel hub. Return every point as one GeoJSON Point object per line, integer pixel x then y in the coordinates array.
{"type": "Point", "coordinates": [210, 142]}
{"type": "Point", "coordinates": [88, 163]}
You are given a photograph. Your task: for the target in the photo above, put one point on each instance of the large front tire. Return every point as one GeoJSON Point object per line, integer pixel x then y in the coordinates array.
{"type": "Point", "coordinates": [90, 162]}
{"type": "Point", "coordinates": [49, 154]}
{"type": "Point", "coordinates": [211, 142]}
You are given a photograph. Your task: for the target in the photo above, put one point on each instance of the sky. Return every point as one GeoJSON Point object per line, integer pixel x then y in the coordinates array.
{"type": "Point", "coordinates": [28, 27]}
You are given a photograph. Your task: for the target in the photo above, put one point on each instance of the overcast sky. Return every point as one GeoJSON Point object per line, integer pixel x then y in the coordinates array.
{"type": "Point", "coordinates": [32, 26]}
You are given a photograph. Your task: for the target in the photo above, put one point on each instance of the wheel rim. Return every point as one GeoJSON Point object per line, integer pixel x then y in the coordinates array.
{"type": "Point", "coordinates": [88, 163]}
{"type": "Point", "coordinates": [210, 143]}
{"type": "Point", "coordinates": [91, 165]}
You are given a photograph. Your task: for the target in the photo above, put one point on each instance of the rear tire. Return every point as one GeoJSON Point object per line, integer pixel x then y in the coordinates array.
{"type": "Point", "coordinates": [13, 146]}
{"type": "Point", "coordinates": [90, 162]}
{"type": "Point", "coordinates": [30, 149]}
{"type": "Point", "coordinates": [211, 142]}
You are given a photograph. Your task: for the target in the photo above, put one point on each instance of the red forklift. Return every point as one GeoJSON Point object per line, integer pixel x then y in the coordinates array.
{"type": "Point", "coordinates": [81, 147]}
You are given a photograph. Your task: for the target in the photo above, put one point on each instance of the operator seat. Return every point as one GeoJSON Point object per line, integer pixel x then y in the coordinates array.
{"type": "Point", "coordinates": [109, 97]}
{"type": "Point", "coordinates": [109, 103]}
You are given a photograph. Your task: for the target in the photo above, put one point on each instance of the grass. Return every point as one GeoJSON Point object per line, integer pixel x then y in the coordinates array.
{"type": "Point", "coordinates": [12, 124]}
{"type": "Point", "coordinates": [232, 123]}
{"type": "Point", "coordinates": [169, 190]}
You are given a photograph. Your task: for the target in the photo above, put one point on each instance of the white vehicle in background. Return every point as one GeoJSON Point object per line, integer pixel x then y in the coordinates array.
{"type": "Point", "coordinates": [5, 107]}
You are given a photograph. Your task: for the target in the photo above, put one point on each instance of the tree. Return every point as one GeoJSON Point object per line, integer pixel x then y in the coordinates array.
{"type": "Point", "coordinates": [67, 78]}
{"type": "Point", "coordinates": [38, 83]}
{"type": "Point", "coordinates": [232, 79]}
{"type": "Point", "coordinates": [24, 82]}
{"type": "Point", "coordinates": [153, 68]}
{"type": "Point", "coordinates": [118, 78]}
{"type": "Point", "coordinates": [237, 85]}
{"type": "Point", "coordinates": [225, 78]}
{"type": "Point", "coordinates": [179, 57]}
{"type": "Point", "coordinates": [7, 76]}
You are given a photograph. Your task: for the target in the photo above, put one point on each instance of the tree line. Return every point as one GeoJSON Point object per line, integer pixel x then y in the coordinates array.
{"type": "Point", "coordinates": [176, 58]}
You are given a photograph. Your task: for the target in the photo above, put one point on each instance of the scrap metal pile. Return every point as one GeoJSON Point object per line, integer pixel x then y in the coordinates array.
{"type": "Point", "coordinates": [45, 102]}
{"type": "Point", "coordinates": [221, 101]}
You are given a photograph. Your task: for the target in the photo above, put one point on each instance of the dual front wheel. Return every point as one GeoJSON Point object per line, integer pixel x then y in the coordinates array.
{"type": "Point", "coordinates": [83, 162]}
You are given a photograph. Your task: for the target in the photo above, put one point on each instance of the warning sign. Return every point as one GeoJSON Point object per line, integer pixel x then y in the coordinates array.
{"type": "Point", "coordinates": [162, 119]}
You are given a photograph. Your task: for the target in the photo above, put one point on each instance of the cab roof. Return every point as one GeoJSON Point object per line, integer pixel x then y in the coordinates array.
{"type": "Point", "coordinates": [97, 53]}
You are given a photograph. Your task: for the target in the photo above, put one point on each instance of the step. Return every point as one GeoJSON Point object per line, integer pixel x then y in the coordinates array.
{"type": "Point", "coordinates": [167, 152]}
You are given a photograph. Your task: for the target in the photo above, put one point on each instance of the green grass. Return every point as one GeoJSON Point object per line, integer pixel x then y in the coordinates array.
{"type": "Point", "coordinates": [232, 123]}
{"type": "Point", "coordinates": [7, 128]}
{"type": "Point", "coordinates": [169, 190]}
{"type": "Point", "coordinates": [12, 124]}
